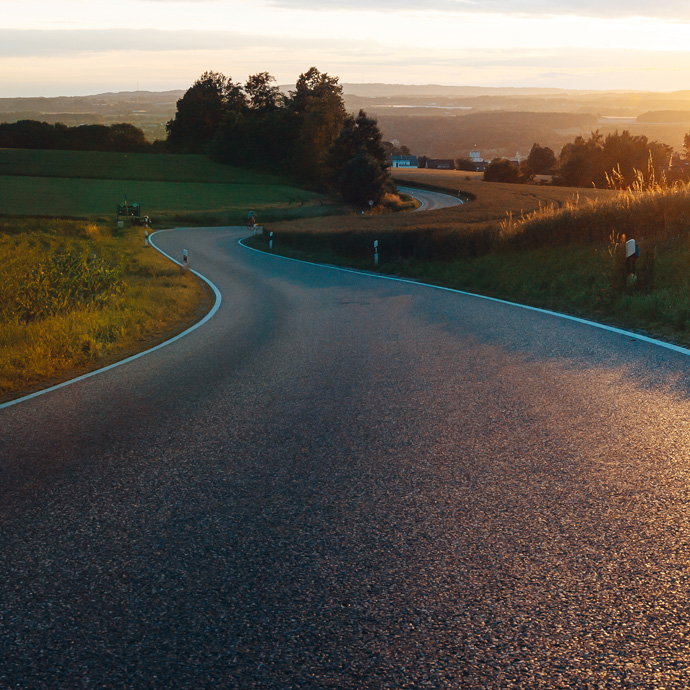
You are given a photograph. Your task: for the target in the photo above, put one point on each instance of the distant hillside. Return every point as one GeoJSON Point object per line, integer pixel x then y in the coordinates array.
{"type": "Point", "coordinates": [435, 120]}
{"type": "Point", "coordinates": [494, 133]}
{"type": "Point", "coordinates": [665, 117]}
{"type": "Point", "coordinates": [148, 110]}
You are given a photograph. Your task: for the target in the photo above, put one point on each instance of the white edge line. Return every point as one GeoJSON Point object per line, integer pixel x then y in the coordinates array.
{"type": "Point", "coordinates": [206, 318]}
{"type": "Point", "coordinates": [568, 317]}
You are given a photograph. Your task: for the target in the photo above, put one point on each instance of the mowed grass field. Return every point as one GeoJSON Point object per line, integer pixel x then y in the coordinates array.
{"type": "Point", "coordinates": [167, 187]}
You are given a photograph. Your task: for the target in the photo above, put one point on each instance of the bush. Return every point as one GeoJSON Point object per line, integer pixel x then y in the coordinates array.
{"type": "Point", "coordinates": [502, 170]}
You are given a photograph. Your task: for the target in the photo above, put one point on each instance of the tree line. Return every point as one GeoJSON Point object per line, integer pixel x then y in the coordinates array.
{"type": "Point", "coordinates": [305, 134]}
{"type": "Point", "coordinates": [618, 160]}
{"type": "Point", "coordinates": [32, 134]}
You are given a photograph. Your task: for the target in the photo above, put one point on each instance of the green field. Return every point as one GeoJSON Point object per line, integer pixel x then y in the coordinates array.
{"type": "Point", "coordinates": [167, 187]}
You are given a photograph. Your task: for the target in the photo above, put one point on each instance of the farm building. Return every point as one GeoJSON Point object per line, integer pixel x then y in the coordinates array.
{"type": "Point", "coordinates": [404, 162]}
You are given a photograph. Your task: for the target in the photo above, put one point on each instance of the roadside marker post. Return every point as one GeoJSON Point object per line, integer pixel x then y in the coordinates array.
{"type": "Point", "coordinates": [146, 238]}
{"type": "Point", "coordinates": [632, 252]}
{"type": "Point", "coordinates": [185, 258]}
{"type": "Point", "coordinates": [270, 241]}
{"type": "Point", "coordinates": [376, 252]}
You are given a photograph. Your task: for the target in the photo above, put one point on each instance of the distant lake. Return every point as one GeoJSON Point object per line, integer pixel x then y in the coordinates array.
{"type": "Point", "coordinates": [437, 107]}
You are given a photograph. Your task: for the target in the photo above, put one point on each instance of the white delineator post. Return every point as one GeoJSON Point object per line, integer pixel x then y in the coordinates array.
{"type": "Point", "coordinates": [376, 252]}
{"type": "Point", "coordinates": [270, 241]}
{"type": "Point", "coordinates": [146, 238]}
{"type": "Point", "coordinates": [185, 258]}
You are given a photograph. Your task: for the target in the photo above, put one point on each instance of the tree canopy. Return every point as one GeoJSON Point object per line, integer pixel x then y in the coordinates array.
{"type": "Point", "coordinates": [502, 170]}
{"type": "Point", "coordinates": [541, 160]}
{"type": "Point", "coordinates": [618, 160]}
{"type": "Point", "coordinates": [305, 134]}
{"type": "Point", "coordinates": [32, 134]}
{"type": "Point", "coordinates": [201, 110]}
{"type": "Point", "coordinates": [360, 161]}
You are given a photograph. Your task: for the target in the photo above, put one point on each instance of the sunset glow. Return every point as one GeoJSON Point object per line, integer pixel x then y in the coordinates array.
{"type": "Point", "coordinates": [77, 46]}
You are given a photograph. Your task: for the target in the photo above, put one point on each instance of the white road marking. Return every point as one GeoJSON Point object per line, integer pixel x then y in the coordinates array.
{"type": "Point", "coordinates": [568, 317]}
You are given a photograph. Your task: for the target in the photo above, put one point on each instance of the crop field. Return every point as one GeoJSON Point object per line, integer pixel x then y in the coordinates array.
{"type": "Point", "coordinates": [91, 184]}
{"type": "Point", "coordinates": [492, 203]}
{"type": "Point", "coordinates": [496, 199]}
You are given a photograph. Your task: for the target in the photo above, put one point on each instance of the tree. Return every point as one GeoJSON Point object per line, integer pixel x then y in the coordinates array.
{"type": "Point", "coordinates": [619, 160]}
{"type": "Point", "coordinates": [501, 170]}
{"type": "Point", "coordinates": [317, 103]}
{"type": "Point", "coordinates": [633, 159]}
{"type": "Point", "coordinates": [126, 138]}
{"type": "Point", "coordinates": [360, 140]}
{"type": "Point", "coordinates": [201, 110]}
{"type": "Point", "coordinates": [541, 160]}
{"type": "Point", "coordinates": [262, 96]}
{"type": "Point", "coordinates": [581, 163]}
{"type": "Point", "coordinates": [363, 180]}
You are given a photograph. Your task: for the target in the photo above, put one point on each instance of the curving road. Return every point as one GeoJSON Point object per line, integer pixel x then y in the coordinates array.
{"type": "Point", "coordinates": [341, 481]}
{"type": "Point", "coordinates": [431, 201]}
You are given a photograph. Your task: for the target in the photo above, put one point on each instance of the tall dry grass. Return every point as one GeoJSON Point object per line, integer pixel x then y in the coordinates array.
{"type": "Point", "coordinates": [78, 295]}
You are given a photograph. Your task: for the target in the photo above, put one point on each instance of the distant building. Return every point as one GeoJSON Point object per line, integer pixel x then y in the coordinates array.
{"type": "Point", "coordinates": [440, 163]}
{"type": "Point", "coordinates": [476, 157]}
{"type": "Point", "coordinates": [404, 162]}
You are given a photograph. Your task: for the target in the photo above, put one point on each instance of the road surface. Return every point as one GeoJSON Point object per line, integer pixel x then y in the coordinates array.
{"type": "Point", "coordinates": [341, 481]}
{"type": "Point", "coordinates": [432, 201]}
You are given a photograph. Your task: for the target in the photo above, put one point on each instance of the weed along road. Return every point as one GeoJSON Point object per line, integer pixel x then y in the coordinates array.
{"type": "Point", "coordinates": [343, 481]}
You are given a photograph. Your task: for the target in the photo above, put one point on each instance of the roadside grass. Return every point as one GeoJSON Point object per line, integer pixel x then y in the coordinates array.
{"type": "Point", "coordinates": [563, 251]}
{"type": "Point", "coordinates": [59, 319]}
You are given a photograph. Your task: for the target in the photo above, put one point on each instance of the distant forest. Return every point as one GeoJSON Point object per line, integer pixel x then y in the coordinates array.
{"type": "Point", "coordinates": [32, 134]}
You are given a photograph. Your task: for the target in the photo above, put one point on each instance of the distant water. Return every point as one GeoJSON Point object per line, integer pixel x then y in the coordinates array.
{"type": "Point", "coordinates": [437, 107]}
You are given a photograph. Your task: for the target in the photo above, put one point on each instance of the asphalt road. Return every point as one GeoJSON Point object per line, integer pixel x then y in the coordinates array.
{"type": "Point", "coordinates": [341, 481]}
{"type": "Point", "coordinates": [432, 201]}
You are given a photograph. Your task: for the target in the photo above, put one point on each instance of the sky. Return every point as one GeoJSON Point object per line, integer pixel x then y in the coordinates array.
{"type": "Point", "coordinates": [80, 47]}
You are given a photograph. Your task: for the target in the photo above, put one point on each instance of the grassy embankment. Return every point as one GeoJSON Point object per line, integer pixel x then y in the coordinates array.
{"type": "Point", "coordinates": [76, 292]}
{"type": "Point", "coordinates": [551, 247]}
{"type": "Point", "coordinates": [171, 189]}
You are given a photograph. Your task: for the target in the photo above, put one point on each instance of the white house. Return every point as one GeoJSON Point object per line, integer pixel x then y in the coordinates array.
{"type": "Point", "coordinates": [404, 162]}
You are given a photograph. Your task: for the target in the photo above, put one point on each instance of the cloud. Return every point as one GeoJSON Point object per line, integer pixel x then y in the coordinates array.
{"type": "Point", "coordinates": [43, 43]}
{"type": "Point", "coordinates": [670, 9]}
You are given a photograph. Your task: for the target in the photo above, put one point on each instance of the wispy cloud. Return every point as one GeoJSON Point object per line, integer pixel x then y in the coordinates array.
{"type": "Point", "coordinates": [44, 43]}
{"type": "Point", "coordinates": [671, 9]}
